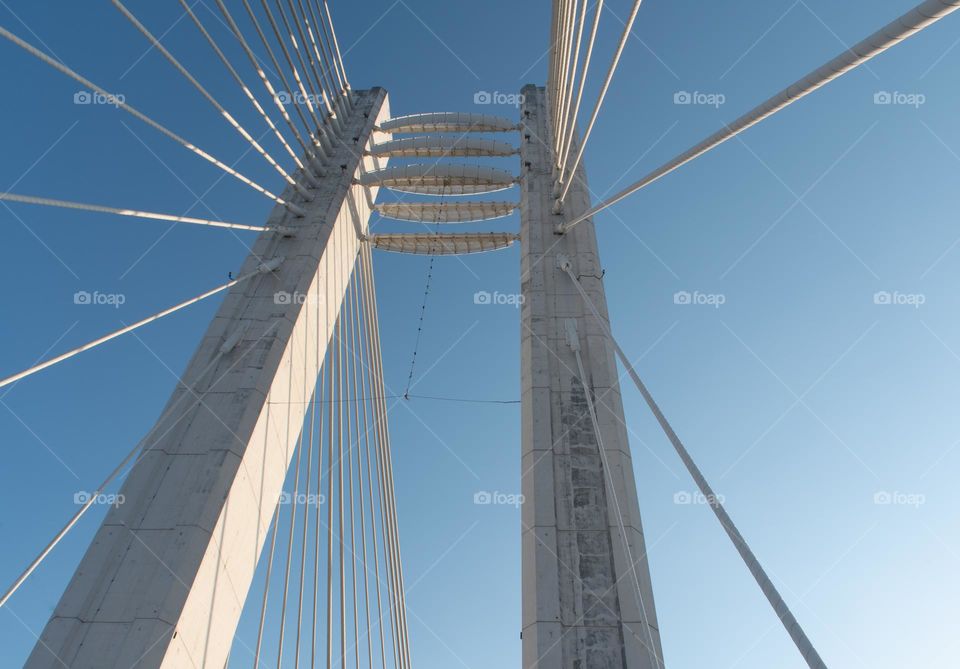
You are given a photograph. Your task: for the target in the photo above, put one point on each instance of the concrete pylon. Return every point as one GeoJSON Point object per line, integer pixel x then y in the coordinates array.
{"type": "Point", "coordinates": [164, 581]}
{"type": "Point", "coordinates": [585, 606]}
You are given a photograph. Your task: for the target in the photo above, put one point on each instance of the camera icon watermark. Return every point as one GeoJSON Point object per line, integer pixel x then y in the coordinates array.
{"type": "Point", "coordinates": [284, 298]}
{"type": "Point", "coordinates": [98, 98]}
{"type": "Point", "coordinates": [897, 498]}
{"type": "Point", "coordinates": [96, 298]}
{"type": "Point", "coordinates": [303, 499]}
{"type": "Point", "coordinates": [498, 98]}
{"type": "Point", "coordinates": [84, 498]}
{"type": "Point", "coordinates": [715, 100]}
{"type": "Point", "coordinates": [696, 298]}
{"type": "Point", "coordinates": [896, 298]}
{"type": "Point", "coordinates": [495, 498]}
{"type": "Point", "coordinates": [898, 98]}
{"type": "Point", "coordinates": [683, 498]}
{"type": "Point", "coordinates": [483, 297]}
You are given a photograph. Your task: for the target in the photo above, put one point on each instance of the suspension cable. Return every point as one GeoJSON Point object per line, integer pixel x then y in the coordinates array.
{"type": "Point", "coordinates": [566, 173]}
{"type": "Point", "coordinates": [423, 305]}
{"type": "Point", "coordinates": [314, 132]}
{"type": "Point", "coordinates": [307, 98]}
{"type": "Point", "coordinates": [138, 448]}
{"type": "Point", "coordinates": [142, 448]}
{"type": "Point", "coordinates": [572, 126]}
{"type": "Point", "coordinates": [334, 392]}
{"type": "Point", "coordinates": [563, 56]}
{"type": "Point", "coordinates": [341, 390]}
{"type": "Point", "coordinates": [359, 390]}
{"type": "Point", "coordinates": [388, 475]}
{"type": "Point", "coordinates": [351, 365]}
{"type": "Point", "coordinates": [263, 269]}
{"type": "Point", "coordinates": [577, 45]}
{"type": "Point", "coordinates": [298, 456]}
{"type": "Point", "coordinates": [307, 480]}
{"type": "Point", "coordinates": [135, 213]}
{"type": "Point", "coordinates": [780, 607]}
{"type": "Point", "coordinates": [325, 373]}
{"type": "Point", "coordinates": [307, 14]}
{"type": "Point", "coordinates": [370, 422]}
{"type": "Point", "coordinates": [247, 92]}
{"type": "Point", "coordinates": [273, 543]}
{"type": "Point", "coordinates": [388, 555]}
{"type": "Point", "coordinates": [33, 51]}
{"type": "Point", "coordinates": [313, 148]}
{"type": "Point", "coordinates": [336, 49]}
{"type": "Point", "coordinates": [212, 100]}
{"type": "Point", "coordinates": [559, 56]}
{"type": "Point", "coordinates": [554, 55]}
{"type": "Point", "coordinates": [306, 58]}
{"type": "Point", "coordinates": [918, 18]}
{"type": "Point", "coordinates": [330, 57]}
{"type": "Point", "coordinates": [574, 342]}
{"type": "Point", "coordinates": [569, 73]}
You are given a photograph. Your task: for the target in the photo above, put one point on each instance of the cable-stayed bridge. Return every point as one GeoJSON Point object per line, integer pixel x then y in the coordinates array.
{"type": "Point", "coordinates": [284, 398]}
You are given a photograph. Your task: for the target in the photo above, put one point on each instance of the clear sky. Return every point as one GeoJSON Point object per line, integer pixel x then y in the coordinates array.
{"type": "Point", "coordinates": [824, 416]}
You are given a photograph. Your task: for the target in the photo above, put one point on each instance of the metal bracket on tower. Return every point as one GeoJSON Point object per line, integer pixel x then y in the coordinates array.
{"type": "Point", "coordinates": [231, 342]}
{"type": "Point", "coordinates": [270, 265]}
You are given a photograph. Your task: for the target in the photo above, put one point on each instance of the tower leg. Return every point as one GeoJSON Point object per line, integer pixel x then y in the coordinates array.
{"type": "Point", "coordinates": [586, 605]}
{"type": "Point", "coordinates": [164, 581]}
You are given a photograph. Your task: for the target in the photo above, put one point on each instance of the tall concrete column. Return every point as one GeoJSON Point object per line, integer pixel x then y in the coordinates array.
{"type": "Point", "coordinates": [165, 579]}
{"type": "Point", "coordinates": [585, 606]}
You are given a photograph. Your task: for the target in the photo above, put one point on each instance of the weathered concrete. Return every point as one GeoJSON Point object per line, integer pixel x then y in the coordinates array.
{"type": "Point", "coordinates": [164, 581]}
{"type": "Point", "coordinates": [582, 607]}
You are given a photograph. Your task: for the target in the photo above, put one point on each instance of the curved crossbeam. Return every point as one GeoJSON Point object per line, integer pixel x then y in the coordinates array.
{"type": "Point", "coordinates": [443, 244]}
{"type": "Point", "coordinates": [458, 122]}
{"type": "Point", "coordinates": [441, 146]}
{"type": "Point", "coordinates": [445, 212]}
{"type": "Point", "coordinates": [441, 179]}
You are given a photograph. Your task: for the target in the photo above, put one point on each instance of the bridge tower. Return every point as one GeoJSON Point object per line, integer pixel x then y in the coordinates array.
{"type": "Point", "coordinates": [164, 580]}
{"type": "Point", "coordinates": [587, 597]}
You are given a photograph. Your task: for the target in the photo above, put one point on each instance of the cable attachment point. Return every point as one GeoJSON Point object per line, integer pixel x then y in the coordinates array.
{"type": "Point", "coordinates": [270, 265]}
{"type": "Point", "coordinates": [234, 339]}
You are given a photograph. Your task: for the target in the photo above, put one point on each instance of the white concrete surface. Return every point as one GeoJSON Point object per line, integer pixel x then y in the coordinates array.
{"type": "Point", "coordinates": [582, 608]}
{"type": "Point", "coordinates": [164, 581]}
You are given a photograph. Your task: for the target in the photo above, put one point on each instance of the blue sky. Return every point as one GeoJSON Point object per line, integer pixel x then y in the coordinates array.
{"type": "Point", "coordinates": [804, 400]}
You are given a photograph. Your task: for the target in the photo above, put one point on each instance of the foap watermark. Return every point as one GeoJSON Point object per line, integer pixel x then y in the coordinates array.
{"type": "Point", "coordinates": [303, 499]}
{"type": "Point", "coordinates": [898, 299]}
{"type": "Point", "coordinates": [96, 298]}
{"type": "Point", "coordinates": [715, 100]}
{"type": "Point", "coordinates": [298, 98]}
{"type": "Point", "coordinates": [897, 498]}
{"type": "Point", "coordinates": [698, 299]}
{"type": "Point", "coordinates": [483, 297]}
{"type": "Point", "coordinates": [684, 498]}
{"type": "Point", "coordinates": [98, 98]}
{"type": "Point", "coordinates": [899, 98]}
{"type": "Point", "coordinates": [495, 498]}
{"type": "Point", "coordinates": [82, 497]}
{"type": "Point", "coordinates": [498, 98]}
{"type": "Point", "coordinates": [284, 298]}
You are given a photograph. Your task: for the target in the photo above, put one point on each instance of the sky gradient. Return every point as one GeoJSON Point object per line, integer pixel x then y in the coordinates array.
{"type": "Point", "coordinates": [823, 412]}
